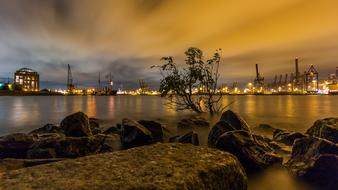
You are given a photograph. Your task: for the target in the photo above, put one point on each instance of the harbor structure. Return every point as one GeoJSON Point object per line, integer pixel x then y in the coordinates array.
{"type": "Point", "coordinates": [28, 79]}
{"type": "Point", "coordinates": [259, 81]}
{"type": "Point", "coordinates": [312, 80]}
{"type": "Point", "coordinates": [70, 85]}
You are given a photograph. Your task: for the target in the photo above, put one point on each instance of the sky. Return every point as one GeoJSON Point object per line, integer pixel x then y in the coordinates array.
{"type": "Point", "coordinates": [126, 37]}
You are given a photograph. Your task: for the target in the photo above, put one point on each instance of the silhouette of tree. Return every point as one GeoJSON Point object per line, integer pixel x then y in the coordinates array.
{"type": "Point", "coordinates": [193, 86]}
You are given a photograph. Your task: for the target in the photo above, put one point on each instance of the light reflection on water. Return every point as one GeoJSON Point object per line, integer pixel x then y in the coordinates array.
{"type": "Point", "coordinates": [22, 114]}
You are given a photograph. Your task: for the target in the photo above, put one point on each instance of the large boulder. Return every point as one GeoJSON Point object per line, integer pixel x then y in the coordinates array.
{"type": "Point", "coordinates": [69, 147]}
{"type": "Point", "coordinates": [251, 151]}
{"type": "Point", "coordinates": [236, 121]}
{"type": "Point", "coordinates": [217, 130]}
{"type": "Point", "coordinates": [48, 128]}
{"type": "Point", "coordinates": [229, 121]}
{"type": "Point", "coordinates": [76, 125]}
{"type": "Point", "coordinates": [14, 164]}
{"type": "Point", "coordinates": [286, 137]}
{"type": "Point", "coordinates": [134, 134]}
{"type": "Point", "coordinates": [190, 138]}
{"type": "Point", "coordinates": [15, 145]}
{"type": "Point", "coordinates": [325, 128]}
{"type": "Point", "coordinates": [94, 126]}
{"type": "Point", "coordinates": [315, 160]}
{"type": "Point", "coordinates": [168, 166]}
{"type": "Point", "coordinates": [112, 130]}
{"type": "Point", "coordinates": [155, 128]}
{"type": "Point", "coordinates": [109, 143]}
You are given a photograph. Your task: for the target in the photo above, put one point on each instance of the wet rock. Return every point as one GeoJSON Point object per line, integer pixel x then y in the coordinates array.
{"type": "Point", "coordinates": [15, 145]}
{"type": "Point", "coordinates": [39, 153]}
{"type": "Point", "coordinates": [193, 122]}
{"type": "Point", "coordinates": [286, 137]}
{"type": "Point", "coordinates": [109, 143]}
{"type": "Point", "coordinates": [76, 125]}
{"type": "Point", "coordinates": [265, 129]}
{"type": "Point", "coordinates": [69, 147]}
{"type": "Point", "coordinates": [167, 166]}
{"type": "Point", "coordinates": [325, 128]}
{"type": "Point", "coordinates": [253, 155]}
{"type": "Point", "coordinates": [155, 128]}
{"type": "Point", "coordinates": [280, 148]}
{"type": "Point", "coordinates": [263, 142]}
{"type": "Point", "coordinates": [189, 138]}
{"type": "Point", "coordinates": [217, 130]}
{"type": "Point", "coordinates": [134, 134]}
{"type": "Point", "coordinates": [235, 120]}
{"type": "Point", "coordinates": [315, 160]}
{"type": "Point", "coordinates": [112, 130]}
{"type": "Point", "coordinates": [44, 136]}
{"type": "Point", "coordinates": [48, 128]}
{"type": "Point", "coordinates": [94, 126]}
{"type": "Point", "coordinates": [14, 164]}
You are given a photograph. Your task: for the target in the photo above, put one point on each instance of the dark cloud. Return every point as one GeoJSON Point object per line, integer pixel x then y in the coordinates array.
{"type": "Point", "coordinates": [127, 37]}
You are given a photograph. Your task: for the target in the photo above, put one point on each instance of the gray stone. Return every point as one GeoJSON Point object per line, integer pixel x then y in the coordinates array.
{"type": "Point", "coordinates": [48, 128]}
{"type": "Point", "coordinates": [161, 166]}
{"type": "Point", "coordinates": [325, 128]}
{"type": "Point", "coordinates": [236, 121]}
{"type": "Point", "coordinates": [39, 153]}
{"type": "Point", "coordinates": [190, 138]}
{"type": "Point", "coordinates": [109, 143]}
{"type": "Point", "coordinates": [217, 130]}
{"type": "Point", "coordinates": [155, 128]}
{"type": "Point", "coordinates": [76, 125]}
{"type": "Point", "coordinates": [94, 126]}
{"type": "Point", "coordinates": [193, 122]}
{"type": "Point", "coordinates": [316, 161]}
{"type": "Point", "coordinates": [134, 134]}
{"type": "Point", "coordinates": [15, 145]}
{"type": "Point", "coordinates": [69, 147]}
{"type": "Point", "coordinates": [253, 155]}
{"type": "Point", "coordinates": [286, 137]}
{"type": "Point", "coordinates": [112, 130]}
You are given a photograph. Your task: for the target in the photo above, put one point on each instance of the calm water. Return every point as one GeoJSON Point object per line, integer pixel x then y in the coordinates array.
{"type": "Point", "coordinates": [22, 114]}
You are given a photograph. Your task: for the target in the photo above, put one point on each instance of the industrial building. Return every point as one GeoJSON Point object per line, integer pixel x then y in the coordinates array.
{"type": "Point", "coordinates": [27, 78]}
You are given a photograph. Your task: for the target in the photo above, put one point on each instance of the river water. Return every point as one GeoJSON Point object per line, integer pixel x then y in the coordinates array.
{"type": "Point", "coordinates": [21, 114]}
{"type": "Point", "coordinates": [297, 113]}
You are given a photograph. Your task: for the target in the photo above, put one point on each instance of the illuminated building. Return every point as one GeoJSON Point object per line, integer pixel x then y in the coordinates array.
{"type": "Point", "coordinates": [311, 80]}
{"type": "Point", "coordinates": [27, 78]}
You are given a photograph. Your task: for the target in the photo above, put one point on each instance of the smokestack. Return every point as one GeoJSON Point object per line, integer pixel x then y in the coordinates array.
{"type": "Point", "coordinates": [275, 82]}
{"type": "Point", "coordinates": [291, 77]}
{"type": "Point", "coordinates": [297, 69]}
{"type": "Point", "coordinates": [257, 74]}
{"type": "Point", "coordinates": [280, 79]}
{"type": "Point", "coordinates": [286, 79]}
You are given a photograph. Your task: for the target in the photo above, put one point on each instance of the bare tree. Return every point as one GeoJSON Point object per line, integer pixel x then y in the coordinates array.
{"type": "Point", "coordinates": [193, 86]}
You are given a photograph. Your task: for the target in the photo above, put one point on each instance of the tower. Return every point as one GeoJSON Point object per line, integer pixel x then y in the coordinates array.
{"type": "Point", "coordinates": [259, 80]}
{"type": "Point", "coordinates": [311, 80]}
{"type": "Point", "coordinates": [70, 85]}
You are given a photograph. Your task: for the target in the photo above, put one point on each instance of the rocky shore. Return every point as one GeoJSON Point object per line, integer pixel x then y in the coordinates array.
{"type": "Point", "coordinates": [79, 154]}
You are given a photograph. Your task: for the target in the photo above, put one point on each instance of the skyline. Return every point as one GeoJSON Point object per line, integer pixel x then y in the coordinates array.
{"type": "Point", "coordinates": [127, 37]}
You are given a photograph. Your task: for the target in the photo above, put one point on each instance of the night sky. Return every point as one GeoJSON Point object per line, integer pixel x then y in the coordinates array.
{"type": "Point", "coordinates": [126, 37]}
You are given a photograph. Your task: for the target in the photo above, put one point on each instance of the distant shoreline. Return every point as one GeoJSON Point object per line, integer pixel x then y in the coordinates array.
{"type": "Point", "coordinates": [5, 93]}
